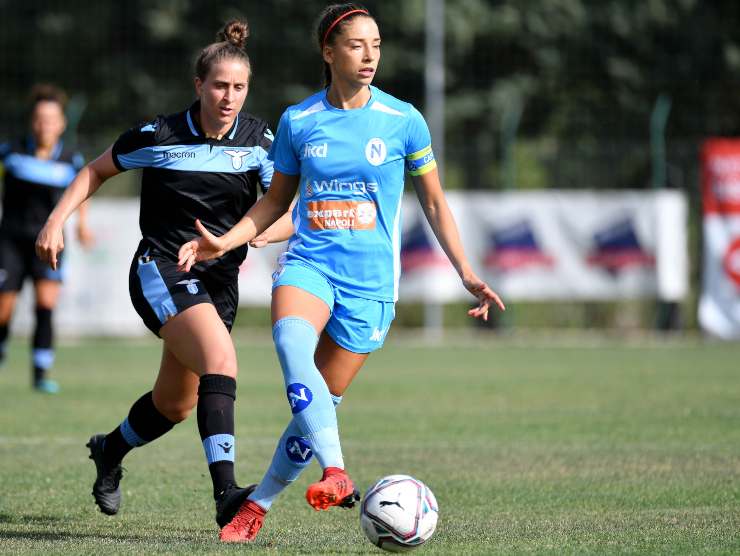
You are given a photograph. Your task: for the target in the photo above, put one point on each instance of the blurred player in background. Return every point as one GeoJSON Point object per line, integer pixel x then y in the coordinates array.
{"type": "Point", "coordinates": [203, 165]}
{"type": "Point", "coordinates": [38, 168]}
{"type": "Point", "coordinates": [343, 150]}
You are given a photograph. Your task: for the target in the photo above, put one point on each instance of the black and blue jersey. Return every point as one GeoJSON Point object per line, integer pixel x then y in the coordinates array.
{"type": "Point", "coordinates": [187, 176]}
{"type": "Point", "coordinates": [32, 186]}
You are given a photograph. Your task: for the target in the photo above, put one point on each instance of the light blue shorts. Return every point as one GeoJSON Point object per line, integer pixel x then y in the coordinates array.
{"type": "Point", "coordinates": [356, 324]}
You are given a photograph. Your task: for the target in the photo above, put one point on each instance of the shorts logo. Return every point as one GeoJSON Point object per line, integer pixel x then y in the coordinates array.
{"type": "Point", "coordinates": [375, 151]}
{"type": "Point", "coordinates": [298, 449]}
{"type": "Point", "coordinates": [341, 215]}
{"type": "Point", "coordinates": [315, 151]}
{"type": "Point", "coordinates": [237, 158]}
{"type": "Point", "coordinates": [377, 335]}
{"type": "Point", "coordinates": [192, 285]}
{"type": "Point", "coordinates": [299, 397]}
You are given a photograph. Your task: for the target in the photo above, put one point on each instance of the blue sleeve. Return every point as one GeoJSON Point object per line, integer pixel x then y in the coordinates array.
{"type": "Point", "coordinates": [282, 152]}
{"type": "Point", "coordinates": [419, 155]}
{"type": "Point", "coordinates": [266, 165]}
{"type": "Point", "coordinates": [5, 150]}
{"type": "Point", "coordinates": [78, 161]}
{"type": "Point", "coordinates": [133, 148]}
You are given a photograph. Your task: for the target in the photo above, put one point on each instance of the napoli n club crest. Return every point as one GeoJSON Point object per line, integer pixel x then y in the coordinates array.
{"type": "Point", "coordinates": [375, 151]}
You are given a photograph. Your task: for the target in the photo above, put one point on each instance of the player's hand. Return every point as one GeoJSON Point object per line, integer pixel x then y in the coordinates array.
{"type": "Point", "coordinates": [49, 243]}
{"type": "Point", "coordinates": [486, 296]}
{"type": "Point", "coordinates": [85, 236]}
{"type": "Point", "coordinates": [204, 248]}
{"type": "Point", "coordinates": [260, 241]}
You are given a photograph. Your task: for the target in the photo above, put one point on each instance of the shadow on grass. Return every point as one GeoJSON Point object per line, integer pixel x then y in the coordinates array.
{"type": "Point", "coordinates": [28, 519]}
{"type": "Point", "coordinates": [59, 536]}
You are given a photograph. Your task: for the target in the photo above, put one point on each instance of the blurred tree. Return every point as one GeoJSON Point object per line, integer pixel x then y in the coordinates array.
{"type": "Point", "coordinates": [585, 74]}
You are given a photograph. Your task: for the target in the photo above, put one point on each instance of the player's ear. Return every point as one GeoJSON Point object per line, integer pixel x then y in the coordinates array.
{"type": "Point", "coordinates": [328, 54]}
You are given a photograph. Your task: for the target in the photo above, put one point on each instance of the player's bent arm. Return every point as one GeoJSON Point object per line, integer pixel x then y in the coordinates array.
{"type": "Point", "coordinates": [50, 240]}
{"type": "Point", "coordinates": [438, 213]}
{"type": "Point", "coordinates": [85, 184]}
{"type": "Point", "coordinates": [265, 212]}
{"type": "Point", "coordinates": [281, 230]}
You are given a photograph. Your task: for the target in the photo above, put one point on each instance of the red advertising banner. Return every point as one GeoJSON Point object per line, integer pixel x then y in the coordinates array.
{"type": "Point", "coordinates": [720, 176]}
{"type": "Point", "coordinates": [719, 304]}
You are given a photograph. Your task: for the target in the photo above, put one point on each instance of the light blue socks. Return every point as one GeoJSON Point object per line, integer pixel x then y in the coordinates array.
{"type": "Point", "coordinates": [292, 455]}
{"type": "Point", "coordinates": [314, 425]}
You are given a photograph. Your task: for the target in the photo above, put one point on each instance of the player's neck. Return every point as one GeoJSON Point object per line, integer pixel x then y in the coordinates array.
{"type": "Point", "coordinates": [348, 96]}
{"type": "Point", "coordinates": [212, 130]}
{"type": "Point", "coordinates": [43, 151]}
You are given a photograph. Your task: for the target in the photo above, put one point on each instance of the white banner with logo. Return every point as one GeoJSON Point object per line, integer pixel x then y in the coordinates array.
{"type": "Point", "coordinates": [555, 245]}
{"type": "Point", "coordinates": [529, 246]}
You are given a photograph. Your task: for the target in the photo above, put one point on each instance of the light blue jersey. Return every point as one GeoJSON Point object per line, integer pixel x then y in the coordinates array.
{"type": "Point", "coordinates": [351, 167]}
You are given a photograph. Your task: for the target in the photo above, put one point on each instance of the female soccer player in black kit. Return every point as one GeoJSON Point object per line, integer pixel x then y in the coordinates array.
{"type": "Point", "coordinates": [38, 168]}
{"type": "Point", "coordinates": [202, 165]}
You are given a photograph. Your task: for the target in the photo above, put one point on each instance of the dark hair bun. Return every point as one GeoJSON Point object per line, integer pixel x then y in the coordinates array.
{"type": "Point", "coordinates": [235, 31]}
{"type": "Point", "coordinates": [47, 92]}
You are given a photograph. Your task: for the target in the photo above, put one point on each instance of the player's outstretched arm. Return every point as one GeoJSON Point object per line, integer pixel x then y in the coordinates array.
{"type": "Point", "coordinates": [50, 241]}
{"type": "Point", "coordinates": [281, 230]}
{"type": "Point", "coordinates": [437, 211]}
{"type": "Point", "coordinates": [265, 212]}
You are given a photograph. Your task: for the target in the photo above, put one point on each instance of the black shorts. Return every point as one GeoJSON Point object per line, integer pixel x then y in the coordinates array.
{"type": "Point", "coordinates": [18, 261]}
{"type": "Point", "coordinates": [159, 291]}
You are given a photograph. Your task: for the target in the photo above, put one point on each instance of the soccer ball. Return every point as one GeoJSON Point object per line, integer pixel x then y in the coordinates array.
{"type": "Point", "coordinates": [399, 513]}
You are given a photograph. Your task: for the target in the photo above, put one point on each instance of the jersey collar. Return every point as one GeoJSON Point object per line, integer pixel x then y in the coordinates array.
{"type": "Point", "coordinates": [195, 128]}
{"type": "Point", "coordinates": [55, 152]}
{"type": "Point", "coordinates": [329, 106]}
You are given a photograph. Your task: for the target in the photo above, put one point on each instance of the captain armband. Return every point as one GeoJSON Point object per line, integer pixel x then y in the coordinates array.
{"type": "Point", "coordinates": [421, 162]}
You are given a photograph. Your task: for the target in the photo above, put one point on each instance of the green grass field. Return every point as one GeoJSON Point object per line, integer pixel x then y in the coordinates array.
{"type": "Point", "coordinates": [530, 447]}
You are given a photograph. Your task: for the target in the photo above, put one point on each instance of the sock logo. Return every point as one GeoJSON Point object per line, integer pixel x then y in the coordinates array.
{"type": "Point", "coordinates": [299, 397]}
{"type": "Point", "coordinates": [226, 447]}
{"type": "Point", "coordinates": [298, 449]}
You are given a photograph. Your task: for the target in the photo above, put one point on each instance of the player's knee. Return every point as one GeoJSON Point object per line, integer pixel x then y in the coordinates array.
{"type": "Point", "coordinates": [221, 360]}
{"type": "Point", "coordinates": [295, 341]}
{"type": "Point", "coordinates": [178, 411]}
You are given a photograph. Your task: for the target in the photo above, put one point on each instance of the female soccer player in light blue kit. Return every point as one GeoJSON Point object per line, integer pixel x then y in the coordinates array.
{"type": "Point", "coordinates": [344, 150]}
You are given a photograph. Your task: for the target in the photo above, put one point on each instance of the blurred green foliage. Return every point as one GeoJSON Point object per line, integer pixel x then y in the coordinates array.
{"type": "Point", "coordinates": [586, 74]}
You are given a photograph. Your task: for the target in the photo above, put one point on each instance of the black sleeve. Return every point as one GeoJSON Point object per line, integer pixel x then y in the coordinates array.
{"type": "Point", "coordinates": [133, 149]}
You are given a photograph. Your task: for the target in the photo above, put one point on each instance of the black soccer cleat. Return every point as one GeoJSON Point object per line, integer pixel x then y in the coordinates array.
{"type": "Point", "coordinates": [349, 501]}
{"type": "Point", "coordinates": [106, 490]}
{"type": "Point", "coordinates": [229, 502]}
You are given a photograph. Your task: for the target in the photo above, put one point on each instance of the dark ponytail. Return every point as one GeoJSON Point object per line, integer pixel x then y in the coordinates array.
{"type": "Point", "coordinates": [230, 45]}
{"type": "Point", "coordinates": [330, 23]}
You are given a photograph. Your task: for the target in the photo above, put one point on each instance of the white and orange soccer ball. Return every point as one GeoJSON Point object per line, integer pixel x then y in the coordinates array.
{"type": "Point", "coordinates": [399, 513]}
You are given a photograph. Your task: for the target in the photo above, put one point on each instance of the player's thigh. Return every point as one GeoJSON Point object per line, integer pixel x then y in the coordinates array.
{"type": "Point", "coordinates": [300, 290]}
{"type": "Point", "coordinates": [337, 365]}
{"type": "Point", "coordinates": [7, 305]}
{"type": "Point", "coordinates": [199, 340]}
{"type": "Point", "coordinates": [175, 391]}
{"type": "Point", "coordinates": [179, 308]}
{"type": "Point", "coordinates": [13, 269]}
{"type": "Point", "coordinates": [47, 293]}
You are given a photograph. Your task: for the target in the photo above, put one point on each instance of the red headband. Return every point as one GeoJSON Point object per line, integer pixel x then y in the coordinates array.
{"type": "Point", "coordinates": [337, 20]}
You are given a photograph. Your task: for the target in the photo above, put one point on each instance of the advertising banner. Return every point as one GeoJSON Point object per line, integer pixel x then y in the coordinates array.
{"type": "Point", "coordinates": [549, 245]}
{"type": "Point", "coordinates": [545, 245]}
{"type": "Point", "coordinates": [719, 305]}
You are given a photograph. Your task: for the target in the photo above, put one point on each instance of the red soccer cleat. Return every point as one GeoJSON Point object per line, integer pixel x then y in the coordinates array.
{"type": "Point", "coordinates": [246, 523]}
{"type": "Point", "coordinates": [334, 489]}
